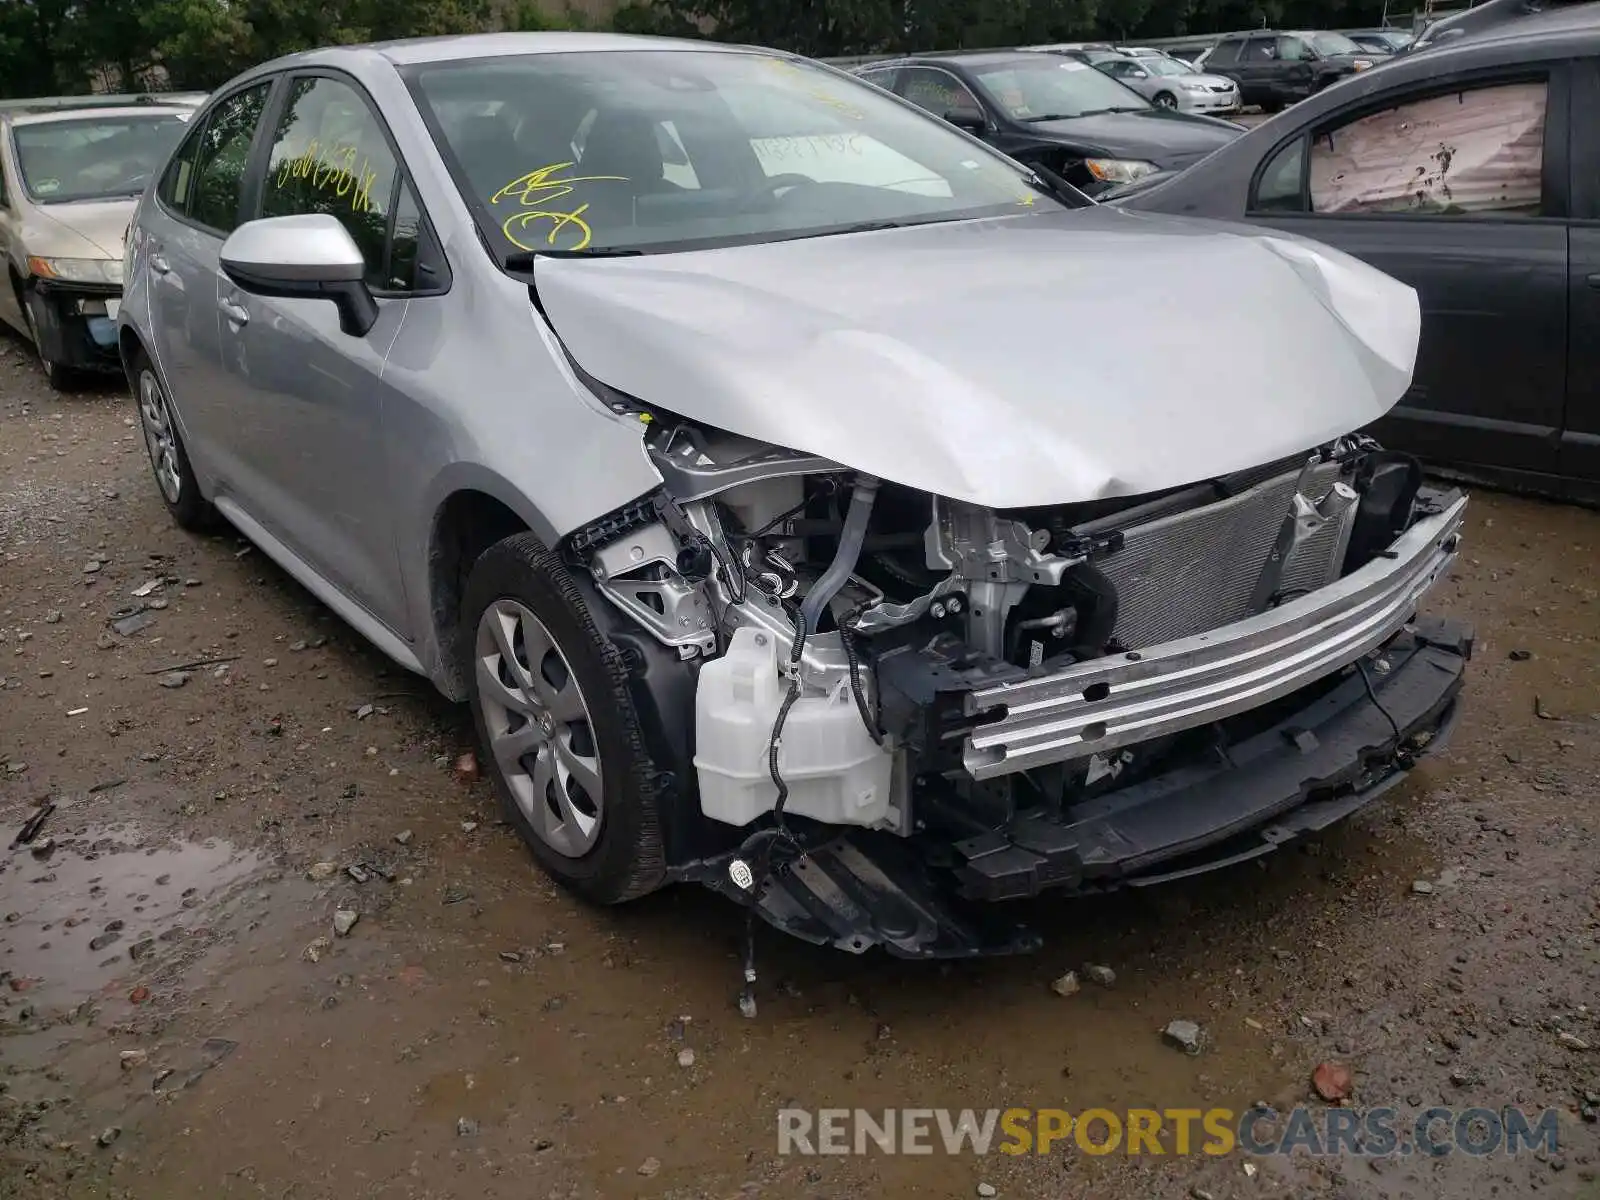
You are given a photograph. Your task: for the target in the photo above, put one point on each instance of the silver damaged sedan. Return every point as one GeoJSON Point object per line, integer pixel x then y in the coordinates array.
{"type": "Point", "coordinates": [810, 501]}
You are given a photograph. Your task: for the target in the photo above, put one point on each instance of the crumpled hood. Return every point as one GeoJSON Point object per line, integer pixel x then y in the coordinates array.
{"type": "Point", "coordinates": [1044, 359]}
{"type": "Point", "coordinates": [99, 223]}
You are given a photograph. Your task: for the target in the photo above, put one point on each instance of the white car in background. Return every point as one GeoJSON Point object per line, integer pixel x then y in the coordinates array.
{"type": "Point", "coordinates": [1167, 82]}
{"type": "Point", "coordinates": [71, 171]}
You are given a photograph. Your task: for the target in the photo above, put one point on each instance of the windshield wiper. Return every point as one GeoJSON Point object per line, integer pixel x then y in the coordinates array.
{"type": "Point", "coordinates": [1091, 112]}
{"type": "Point", "coordinates": [523, 260]}
{"type": "Point", "coordinates": [862, 227]}
{"type": "Point", "coordinates": [1047, 181]}
{"type": "Point", "coordinates": [1060, 116]}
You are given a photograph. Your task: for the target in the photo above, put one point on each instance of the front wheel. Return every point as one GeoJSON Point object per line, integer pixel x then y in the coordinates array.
{"type": "Point", "coordinates": [1166, 100]}
{"type": "Point", "coordinates": [553, 712]}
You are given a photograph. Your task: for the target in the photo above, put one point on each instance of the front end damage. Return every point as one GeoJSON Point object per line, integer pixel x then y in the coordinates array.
{"type": "Point", "coordinates": [907, 707]}
{"type": "Point", "coordinates": [75, 322]}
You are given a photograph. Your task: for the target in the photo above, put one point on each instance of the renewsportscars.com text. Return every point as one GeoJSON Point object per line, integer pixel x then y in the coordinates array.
{"type": "Point", "coordinates": [1373, 1132]}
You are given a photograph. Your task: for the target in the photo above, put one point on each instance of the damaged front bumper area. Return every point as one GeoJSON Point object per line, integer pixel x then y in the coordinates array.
{"type": "Point", "coordinates": [1249, 792]}
{"type": "Point", "coordinates": [1105, 704]}
{"type": "Point", "coordinates": [908, 708]}
{"type": "Point", "coordinates": [77, 323]}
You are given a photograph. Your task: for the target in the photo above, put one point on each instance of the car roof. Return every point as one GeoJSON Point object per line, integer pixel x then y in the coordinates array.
{"type": "Point", "coordinates": [114, 112]}
{"type": "Point", "coordinates": [973, 58]}
{"type": "Point", "coordinates": [1570, 23]}
{"type": "Point", "coordinates": [408, 52]}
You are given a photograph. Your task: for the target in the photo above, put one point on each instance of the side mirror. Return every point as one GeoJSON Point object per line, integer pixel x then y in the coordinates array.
{"type": "Point", "coordinates": [970, 119]}
{"type": "Point", "coordinates": [309, 256]}
{"type": "Point", "coordinates": [1139, 74]}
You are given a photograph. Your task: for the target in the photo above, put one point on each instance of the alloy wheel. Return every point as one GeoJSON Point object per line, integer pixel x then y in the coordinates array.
{"type": "Point", "coordinates": [159, 438]}
{"type": "Point", "coordinates": [538, 726]}
{"type": "Point", "coordinates": [1166, 101]}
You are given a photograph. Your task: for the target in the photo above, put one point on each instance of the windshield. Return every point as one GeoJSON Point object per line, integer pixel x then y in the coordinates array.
{"type": "Point", "coordinates": [1166, 66]}
{"type": "Point", "coordinates": [1055, 87]}
{"type": "Point", "coordinates": [666, 150]}
{"type": "Point", "coordinates": [93, 158]}
{"type": "Point", "coordinates": [1332, 43]}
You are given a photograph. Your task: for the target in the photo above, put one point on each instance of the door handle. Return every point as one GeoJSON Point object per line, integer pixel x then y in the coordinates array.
{"type": "Point", "coordinates": [1593, 281]}
{"type": "Point", "coordinates": [237, 313]}
{"type": "Point", "coordinates": [159, 265]}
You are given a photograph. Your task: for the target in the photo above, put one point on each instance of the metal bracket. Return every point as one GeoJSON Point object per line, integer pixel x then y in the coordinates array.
{"type": "Point", "coordinates": [639, 574]}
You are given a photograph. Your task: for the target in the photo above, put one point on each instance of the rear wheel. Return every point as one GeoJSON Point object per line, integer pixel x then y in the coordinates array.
{"type": "Point", "coordinates": [169, 462]}
{"type": "Point", "coordinates": [551, 705]}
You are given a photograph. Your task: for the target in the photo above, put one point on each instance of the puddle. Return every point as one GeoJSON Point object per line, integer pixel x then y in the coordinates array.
{"type": "Point", "coordinates": [86, 917]}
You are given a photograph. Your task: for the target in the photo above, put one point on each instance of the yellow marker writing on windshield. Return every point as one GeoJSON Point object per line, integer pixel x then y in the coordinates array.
{"type": "Point", "coordinates": [538, 189]}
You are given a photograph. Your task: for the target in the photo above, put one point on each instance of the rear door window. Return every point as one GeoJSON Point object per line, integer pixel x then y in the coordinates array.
{"type": "Point", "coordinates": [936, 91]}
{"type": "Point", "coordinates": [1458, 153]}
{"type": "Point", "coordinates": [175, 181]}
{"type": "Point", "coordinates": [223, 155]}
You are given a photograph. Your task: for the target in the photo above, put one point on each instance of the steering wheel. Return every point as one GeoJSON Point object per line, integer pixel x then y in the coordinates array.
{"type": "Point", "coordinates": [768, 189]}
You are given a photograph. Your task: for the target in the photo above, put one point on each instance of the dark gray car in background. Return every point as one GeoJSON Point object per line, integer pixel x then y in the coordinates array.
{"type": "Point", "coordinates": [1277, 68]}
{"type": "Point", "coordinates": [1054, 110]}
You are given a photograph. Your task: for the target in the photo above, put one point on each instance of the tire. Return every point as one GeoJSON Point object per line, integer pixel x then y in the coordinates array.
{"type": "Point", "coordinates": [59, 376]}
{"type": "Point", "coordinates": [1165, 100]}
{"type": "Point", "coordinates": [169, 461]}
{"type": "Point", "coordinates": [558, 730]}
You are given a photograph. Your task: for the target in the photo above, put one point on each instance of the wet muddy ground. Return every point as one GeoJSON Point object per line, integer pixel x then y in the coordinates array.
{"type": "Point", "coordinates": [179, 1018]}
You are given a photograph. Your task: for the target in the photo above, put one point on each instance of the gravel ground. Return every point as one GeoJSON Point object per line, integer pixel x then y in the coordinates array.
{"type": "Point", "coordinates": [180, 1018]}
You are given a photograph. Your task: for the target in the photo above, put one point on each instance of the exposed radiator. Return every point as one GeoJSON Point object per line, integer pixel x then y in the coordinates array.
{"type": "Point", "coordinates": [1194, 571]}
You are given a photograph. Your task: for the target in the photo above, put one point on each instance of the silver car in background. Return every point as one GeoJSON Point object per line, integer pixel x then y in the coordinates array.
{"type": "Point", "coordinates": [810, 501]}
{"type": "Point", "coordinates": [1167, 82]}
{"type": "Point", "coordinates": [70, 175]}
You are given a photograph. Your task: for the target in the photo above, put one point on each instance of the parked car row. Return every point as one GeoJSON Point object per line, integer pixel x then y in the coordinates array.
{"type": "Point", "coordinates": [1055, 110]}
{"type": "Point", "coordinates": [1274, 69]}
{"type": "Point", "coordinates": [1165, 81]}
{"type": "Point", "coordinates": [810, 499]}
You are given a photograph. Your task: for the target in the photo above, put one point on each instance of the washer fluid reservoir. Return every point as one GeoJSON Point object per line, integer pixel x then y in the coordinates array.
{"type": "Point", "coordinates": [835, 772]}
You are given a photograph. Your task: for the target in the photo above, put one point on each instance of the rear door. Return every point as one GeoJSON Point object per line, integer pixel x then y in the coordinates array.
{"type": "Point", "coordinates": [938, 91]}
{"type": "Point", "coordinates": [197, 206]}
{"type": "Point", "coordinates": [1580, 439]}
{"type": "Point", "coordinates": [1223, 59]}
{"type": "Point", "coordinates": [1458, 188]}
{"type": "Point", "coordinates": [1258, 68]}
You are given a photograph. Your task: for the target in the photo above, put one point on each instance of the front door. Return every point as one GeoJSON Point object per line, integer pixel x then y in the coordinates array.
{"type": "Point", "coordinates": [1460, 191]}
{"type": "Point", "coordinates": [196, 207]}
{"type": "Point", "coordinates": [313, 396]}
